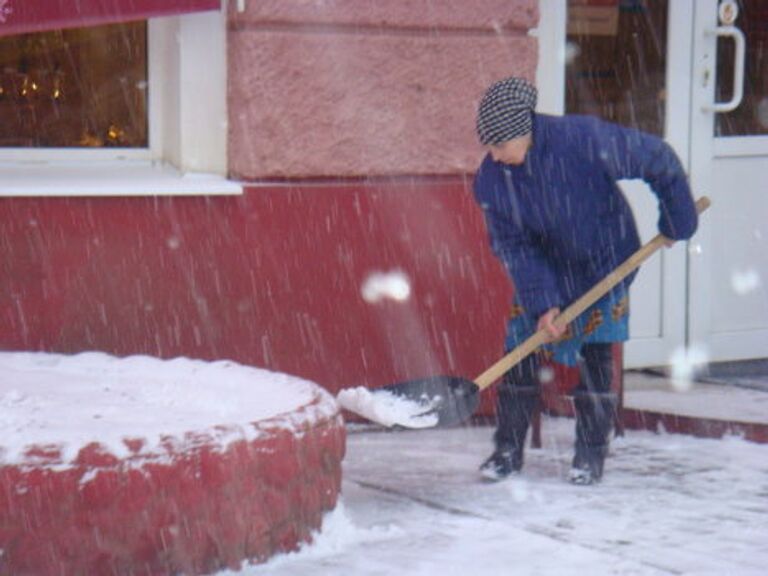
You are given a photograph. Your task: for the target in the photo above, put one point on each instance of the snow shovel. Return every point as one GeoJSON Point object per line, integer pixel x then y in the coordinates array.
{"type": "Point", "coordinates": [450, 400]}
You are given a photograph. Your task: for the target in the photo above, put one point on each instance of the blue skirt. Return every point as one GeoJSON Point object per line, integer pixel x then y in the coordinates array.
{"type": "Point", "coordinates": [605, 321]}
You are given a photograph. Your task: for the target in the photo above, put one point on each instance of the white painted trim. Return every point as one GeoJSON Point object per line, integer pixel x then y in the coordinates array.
{"type": "Point", "coordinates": [702, 139]}
{"type": "Point", "coordinates": [550, 69]}
{"type": "Point", "coordinates": [189, 69]}
{"type": "Point", "coordinates": [166, 79]}
{"type": "Point", "coordinates": [677, 130]}
{"type": "Point", "coordinates": [678, 80]}
{"type": "Point", "coordinates": [157, 74]}
{"type": "Point", "coordinates": [109, 178]}
{"type": "Point", "coordinates": [729, 346]}
{"type": "Point", "coordinates": [741, 146]}
{"type": "Point", "coordinates": [203, 85]}
{"type": "Point", "coordinates": [73, 154]}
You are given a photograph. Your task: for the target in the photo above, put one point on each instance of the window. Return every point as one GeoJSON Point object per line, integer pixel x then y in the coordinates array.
{"type": "Point", "coordinates": [616, 61]}
{"type": "Point", "coordinates": [133, 108]}
{"type": "Point", "coordinates": [751, 117]}
{"type": "Point", "coordinates": [75, 88]}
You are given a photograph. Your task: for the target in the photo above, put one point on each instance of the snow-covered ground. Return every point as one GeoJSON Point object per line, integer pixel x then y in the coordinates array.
{"type": "Point", "coordinates": [412, 501]}
{"type": "Point", "coordinates": [413, 504]}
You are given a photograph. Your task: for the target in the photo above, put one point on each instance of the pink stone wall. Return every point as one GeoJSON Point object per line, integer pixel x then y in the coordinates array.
{"type": "Point", "coordinates": [352, 88]}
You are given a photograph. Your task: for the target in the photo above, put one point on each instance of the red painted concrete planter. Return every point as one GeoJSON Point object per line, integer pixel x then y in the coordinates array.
{"type": "Point", "coordinates": [194, 512]}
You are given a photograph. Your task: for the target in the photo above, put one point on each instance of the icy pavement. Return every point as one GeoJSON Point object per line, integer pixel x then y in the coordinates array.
{"type": "Point", "coordinates": [413, 504]}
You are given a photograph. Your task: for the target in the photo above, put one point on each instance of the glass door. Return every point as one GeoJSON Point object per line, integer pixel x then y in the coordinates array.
{"type": "Point", "coordinates": [622, 63]}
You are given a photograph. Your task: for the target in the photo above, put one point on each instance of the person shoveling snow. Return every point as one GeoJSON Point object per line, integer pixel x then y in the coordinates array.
{"type": "Point", "coordinates": [559, 223]}
{"type": "Point", "coordinates": [557, 236]}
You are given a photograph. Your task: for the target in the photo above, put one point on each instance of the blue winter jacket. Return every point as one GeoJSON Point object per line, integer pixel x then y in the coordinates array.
{"type": "Point", "coordinates": [560, 223]}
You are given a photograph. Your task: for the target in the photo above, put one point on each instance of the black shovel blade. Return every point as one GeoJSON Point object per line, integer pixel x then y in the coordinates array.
{"type": "Point", "coordinates": [451, 399]}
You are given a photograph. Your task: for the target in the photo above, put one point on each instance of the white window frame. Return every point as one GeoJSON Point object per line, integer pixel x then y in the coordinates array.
{"type": "Point", "coordinates": [728, 146]}
{"type": "Point", "coordinates": [187, 106]}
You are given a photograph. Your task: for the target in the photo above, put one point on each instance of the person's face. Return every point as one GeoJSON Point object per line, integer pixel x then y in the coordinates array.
{"type": "Point", "coordinates": [512, 151]}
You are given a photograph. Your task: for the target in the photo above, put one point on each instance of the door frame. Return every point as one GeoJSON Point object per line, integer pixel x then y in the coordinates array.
{"type": "Point", "coordinates": [706, 150]}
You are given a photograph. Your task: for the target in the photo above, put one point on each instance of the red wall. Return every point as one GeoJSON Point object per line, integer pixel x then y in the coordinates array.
{"type": "Point", "coordinates": [271, 278]}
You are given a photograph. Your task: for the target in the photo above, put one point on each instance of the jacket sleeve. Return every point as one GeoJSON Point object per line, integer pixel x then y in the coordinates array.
{"type": "Point", "coordinates": [629, 153]}
{"type": "Point", "coordinates": [533, 276]}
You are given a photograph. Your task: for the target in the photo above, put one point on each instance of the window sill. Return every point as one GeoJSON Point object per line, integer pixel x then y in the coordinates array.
{"type": "Point", "coordinates": [72, 179]}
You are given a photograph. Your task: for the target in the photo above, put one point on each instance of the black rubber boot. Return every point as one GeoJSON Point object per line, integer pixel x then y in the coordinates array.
{"type": "Point", "coordinates": [518, 395]}
{"type": "Point", "coordinates": [594, 421]}
{"type": "Point", "coordinates": [595, 407]}
{"type": "Point", "coordinates": [501, 464]}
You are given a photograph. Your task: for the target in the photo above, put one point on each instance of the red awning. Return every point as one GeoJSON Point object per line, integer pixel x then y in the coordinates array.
{"type": "Point", "coordinates": [21, 16]}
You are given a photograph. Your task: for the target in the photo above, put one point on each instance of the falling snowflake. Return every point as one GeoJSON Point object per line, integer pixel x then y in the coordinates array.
{"type": "Point", "coordinates": [745, 281]}
{"type": "Point", "coordinates": [380, 286]}
{"type": "Point", "coordinates": [686, 364]}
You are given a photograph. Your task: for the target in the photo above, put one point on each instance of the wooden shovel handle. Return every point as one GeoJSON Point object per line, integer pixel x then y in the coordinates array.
{"type": "Point", "coordinates": [574, 310]}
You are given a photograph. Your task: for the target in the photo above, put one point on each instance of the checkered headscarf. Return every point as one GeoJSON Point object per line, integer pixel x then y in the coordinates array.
{"type": "Point", "coordinates": [505, 112]}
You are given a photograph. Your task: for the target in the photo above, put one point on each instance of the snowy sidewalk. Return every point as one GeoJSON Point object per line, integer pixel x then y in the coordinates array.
{"type": "Point", "coordinates": [413, 504]}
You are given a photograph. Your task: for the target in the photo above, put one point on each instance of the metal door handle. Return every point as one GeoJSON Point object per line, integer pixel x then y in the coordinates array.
{"type": "Point", "coordinates": [738, 67]}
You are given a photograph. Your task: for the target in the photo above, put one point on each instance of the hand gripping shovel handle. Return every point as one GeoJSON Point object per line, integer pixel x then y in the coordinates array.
{"type": "Point", "coordinates": [574, 310]}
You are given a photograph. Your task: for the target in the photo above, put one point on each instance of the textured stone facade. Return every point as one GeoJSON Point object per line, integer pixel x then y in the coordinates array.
{"type": "Point", "coordinates": [349, 89]}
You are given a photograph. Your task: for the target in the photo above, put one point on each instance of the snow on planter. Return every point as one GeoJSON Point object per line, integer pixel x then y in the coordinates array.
{"type": "Point", "coordinates": [140, 465]}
